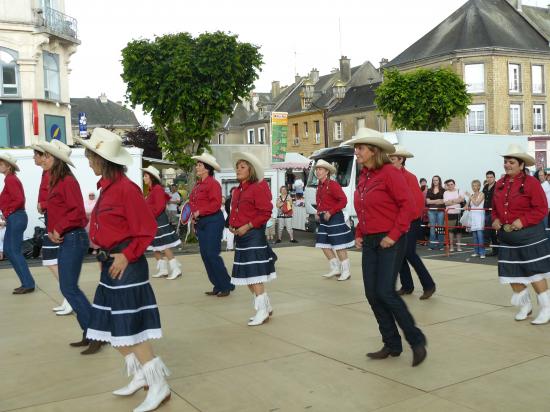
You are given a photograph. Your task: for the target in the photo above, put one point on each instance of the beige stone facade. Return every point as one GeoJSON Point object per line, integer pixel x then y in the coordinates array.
{"type": "Point", "coordinates": [306, 132]}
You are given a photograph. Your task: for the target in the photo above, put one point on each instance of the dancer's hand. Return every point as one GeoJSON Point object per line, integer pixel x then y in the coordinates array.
{"type": "Point", "coordinates": [358, 242]}
{"type": "Point", "coordinates": [386, 242]}
{"type": "Point", "coordinates": [517, 225]}
{"type": "Point", "coordinates": [327, 216]}
{"type": "Point", "coordinates": [120, 263]}
{"type": "Point", "coordinates": [496, 224]}
{"type": "Point", "coordinates": [242, 230]}
{"type": "Point", "coordinates": [54, 237]}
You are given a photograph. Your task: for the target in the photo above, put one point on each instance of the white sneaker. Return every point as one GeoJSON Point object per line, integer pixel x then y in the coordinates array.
{"type": "Point", "coordinates": [155, 372]}
{"type": "Point", "coordinates": [61, 307]}
{"type": "Point", "coordinates": [175, 269]}
{"type": "Point", "coordinates": [544, 315]}
{"type": "Point", "coordinates": [162, 267]}
{"type": "Point", "coordinates": [133, 368]}
{"type": "Point", "coordinates": [334, 268]}
{"type": "Point", "coordinates": [262, 314]}
{"type": "Point", "coordinates": [474, 255]}
{"type": "Point", "coordinates": [67, 309]}
{"type": "Point", "coordinates": [482, 257]}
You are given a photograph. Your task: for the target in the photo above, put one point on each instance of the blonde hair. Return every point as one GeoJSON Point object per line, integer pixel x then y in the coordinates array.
{"type": "Point", "coordinates": [253, 177]}
{"type": "Point", "coordinates": [380, 157]}
{"type": "Point", "coordinates": [476, 182]}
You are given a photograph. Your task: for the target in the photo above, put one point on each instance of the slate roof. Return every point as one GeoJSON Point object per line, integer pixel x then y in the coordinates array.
{"type": "Point", "coordinates": [357, 98]}
{"type": "Point", "coordinates": [102, 114]}
{"type": "Point", "coordinates": [478, 24]}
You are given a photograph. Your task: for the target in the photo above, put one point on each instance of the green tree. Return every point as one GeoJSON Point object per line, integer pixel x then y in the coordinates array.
{"type": "Point", "coordinates": [187, 84]}
{"type": "Point", "coordinates": [423, 99]}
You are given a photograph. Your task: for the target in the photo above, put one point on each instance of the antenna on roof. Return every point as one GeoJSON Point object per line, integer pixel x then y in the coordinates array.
{"type": "Point", "coordinates": [340, 35]}
{"type": "Point", "coordinates": [295, 71]}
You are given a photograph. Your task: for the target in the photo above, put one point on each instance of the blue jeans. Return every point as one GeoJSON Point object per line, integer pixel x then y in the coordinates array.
{"type": "Point", "coordinates": [478, 240]}
{"type": "Point", "coordinates": [16, 224]}
{"type": "Point", "coordinates": [412, 257]}
{"type": "Point", "coordinates": [209, 231]}
{"type": "Point", "coordinates": [380, 267]}
{"type": "Point", "coordinates": [436, 218]}
{"type": "Point", "coordinates": [69, 258]}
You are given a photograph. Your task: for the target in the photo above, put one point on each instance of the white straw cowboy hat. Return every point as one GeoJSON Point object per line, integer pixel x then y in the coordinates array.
{"type": "Point", "coordinates": [372, 137]}
{"type": "Point", "coordinates": [208, 159]}
{"type": "Point", "coordinates": [402, 152]}
{"type": "Point", "coordinates": [108, 145]}
{"type": "Point", "coordinates": [325, 165]}
{"type": "Point", "coordinates": [37, 148]}
{"type": "Point", "coordinates": [250, 158]}
{"type": "Point", "coordinates": [153, 171]}
{"type": "Point", "coordinates": [57, 149]}
{"type": "Point", "coordinates": [6, 157]}
{"type": "Point", "coordinates": [518, 152]}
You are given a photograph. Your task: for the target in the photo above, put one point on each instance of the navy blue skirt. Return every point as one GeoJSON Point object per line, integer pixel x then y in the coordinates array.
{"type": "Point", "coordinates": [334, 234]}
{"type": "Point", "coordinates": [166, 237]}
{"type": "Point", "coordinates": [254, 260]}
{"type": "Point", "coordinates": [49, 249]}
{"type": "Point", "coordinates": [524, 255]}
{"type": "Point", "coordinates": [125, 310]}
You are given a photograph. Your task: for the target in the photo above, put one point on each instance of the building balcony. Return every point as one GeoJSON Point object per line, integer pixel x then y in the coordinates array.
{"type": "Point", "coordinates": [59, 24]}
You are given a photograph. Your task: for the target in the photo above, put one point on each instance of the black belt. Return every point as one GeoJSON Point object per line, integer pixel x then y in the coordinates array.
{"type": "Point", "coordinates": [104, 255]}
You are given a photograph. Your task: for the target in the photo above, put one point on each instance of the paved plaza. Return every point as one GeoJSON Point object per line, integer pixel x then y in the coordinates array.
{"type": "Point", "coordinates": [309, 357]}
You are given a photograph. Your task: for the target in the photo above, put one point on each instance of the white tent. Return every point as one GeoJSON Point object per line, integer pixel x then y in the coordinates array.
{"type": "Point", "coordinates": [292, 161]}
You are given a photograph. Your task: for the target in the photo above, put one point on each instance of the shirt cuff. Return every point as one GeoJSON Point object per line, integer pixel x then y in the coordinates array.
{"type": "Point", "coordinates": [394, 234]}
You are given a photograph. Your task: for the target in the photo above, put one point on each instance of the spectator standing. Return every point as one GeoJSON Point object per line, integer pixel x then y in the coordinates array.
{"type": "Point", "coordinates": [488, 192]}
{"type": "Point", "coordinates": [298, 187]}
{"type": "Point", "coordinates": [172, 205]}
{"type": "Point", "coordinates": [435, 203]}
{"type": "Point", "coordinates": [284, 215]}
{"type": "Point", "coordinates": [453, 199]}
{"type": "Point", "coordinates": [477, 218]}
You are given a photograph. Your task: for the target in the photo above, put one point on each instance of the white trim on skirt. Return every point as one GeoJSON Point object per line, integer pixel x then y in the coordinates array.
{"type": "Point", "coordinates": [115, 341]}
{"type": "Point", "coordinates": [49, 262]}
{"type": "Point", "coordinates": [254, 280]}
{"type": "Point", "coordinates": [164, 247]}
{"type": "Point", "coordinates": [519, 262]}
{"type": "Point", "coordinates": [524, 280]}
{"type": "Point", "coordinates": [335, 247]}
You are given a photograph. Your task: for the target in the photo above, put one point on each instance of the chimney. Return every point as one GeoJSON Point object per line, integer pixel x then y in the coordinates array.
{"type": "Point", "coordinates": [314, 75]}
{"type": "Point", "coordinates": [297, 78]}
{"type": "Point", "coordinates": [103, 98]}
{"type": "Point", "coordinates": [345, 69]}
{"type": "Point", "coordinates": [275, 88]}
{"type": "Point", "coordinates": [519, 6]}
{"type": "Point", "coordinates": [254, 100]}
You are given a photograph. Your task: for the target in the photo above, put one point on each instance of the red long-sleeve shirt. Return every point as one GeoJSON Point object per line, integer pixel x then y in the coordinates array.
{"type": "Point", "coordinates": [510, 204]}
{"type": "Point", "coordinates": [383, 202]}
{"type": "Point", "coordinates": [417, 194]}
{"type": "Point", "coordinates": [12, 197]}
{"type": "Point", "coordinates": [66, 206]}
{"type": "Point", "coordinates": [251, 203]}
{"type": "Point", "coordinates": [157, 199]}
{"type": "Point", "coordinates": [43, 190]}
{"type": "Point", "coordinates": [206, 196]}
{"type": "Point", "coordinates": [330, 197]}
{"type": "Point", "coordinates": [121, 214]}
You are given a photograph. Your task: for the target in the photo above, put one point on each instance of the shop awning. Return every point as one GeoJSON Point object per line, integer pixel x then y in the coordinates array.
{"type": "Point", "coordinates": [292, 161]}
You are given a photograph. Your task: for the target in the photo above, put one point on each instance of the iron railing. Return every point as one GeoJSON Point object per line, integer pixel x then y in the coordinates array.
{"type": "Point", "coordinates": [60, 23]}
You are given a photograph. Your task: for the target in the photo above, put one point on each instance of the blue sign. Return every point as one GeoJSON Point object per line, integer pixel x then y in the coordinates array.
{"type": "Point", "coordinates": [55, 132]}
{"type": "Point", "coordinates": [82, 124]}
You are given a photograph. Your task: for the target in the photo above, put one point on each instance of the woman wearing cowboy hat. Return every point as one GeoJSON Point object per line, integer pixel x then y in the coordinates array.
{"type": "Point", "coordinates": [333, 233]}
{"type": "Point", "coordinates": [251, 208]}
{"type": "Point", "coordinates": [66, 228]}
{"type": "Point", "coordinates": [49, 249]}
{"type": "Point", "coordinates": [125, 311]}
{"type": "Point", "coordinates": [12, 205]}
{"type": "Point", "coordinates": [519, 207]}
{"type": "Point", "coordinates": [385, 209]}
{"type": "Point", "coordinates": [205, 200]}
{"type": "Point", "coordinates": [398, 159]}
{"type": "Point", "coordinates": [165, 238]}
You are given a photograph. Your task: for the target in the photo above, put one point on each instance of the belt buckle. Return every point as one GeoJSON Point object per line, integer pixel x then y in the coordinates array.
{"type": "Point", "coordinates": [508, 228]}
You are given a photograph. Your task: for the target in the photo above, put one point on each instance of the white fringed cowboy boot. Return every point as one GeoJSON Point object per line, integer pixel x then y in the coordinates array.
{"type": "Point", "coordinates": [269, 307]}
{"type": "Point", "coordinates": [523, 301]}
{"type": "Point", "coordinates": [67, 309]}
{"type": "Point", "coordinates": [346, 274]}
{"type": "Point", "coordinates": [133, 368]}
{"type": "Point", "coordinates": [155, 372]}
{"type": "Point", "coordinates": [334, 268]}
{"type": "Point", "coordinates": [162, 267]}
{"type": "Point", "coordinates": [544, 313]}
{"type": "Point", "coordinates": [175, 269]}
{"type": "Point", "coordinates": [262, 312]}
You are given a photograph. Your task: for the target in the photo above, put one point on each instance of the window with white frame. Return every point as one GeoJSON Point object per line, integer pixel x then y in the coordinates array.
{"type": "Point", "coordinates": [538, 118]}
{"type": "Point", "coordinates": [250, 136]}
{"type": "Point", "coordinates": [221, 138]}
{"type": "Point", "coordinates": [474, 77]}
{"type": "Point", "coordinates": [515, 118]}
{"type": "Point", "coordinates": [476, 118]}
{"type": "Point", "coordinates": [317, 131]}
{"type": "Point", "coordinates": [296, 134]}
{"type": "Point", "coordinates": [306, 129]}
{"type": "Point", "coordinates": [261, 135]}
{"type": "Point", "coordinates": [514, 78]}
{"type": "Point", "coordinates": [359, 123]}
{"type": "Point", "coordinates": [9, 73]}
{"type": "Point", "coordinates": [51, 76]}
{"type": "Point", "coordinates": [537, 78]}
{"type": "Point", "coordinates": [338, 130]}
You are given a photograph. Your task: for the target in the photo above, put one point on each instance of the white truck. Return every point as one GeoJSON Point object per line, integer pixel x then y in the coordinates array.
{"type": "Point", "coordinates": [459, 156]}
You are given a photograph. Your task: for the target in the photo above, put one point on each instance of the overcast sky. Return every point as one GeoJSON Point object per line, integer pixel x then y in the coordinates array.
{"type": "Point", "coordinates": [294, 35]}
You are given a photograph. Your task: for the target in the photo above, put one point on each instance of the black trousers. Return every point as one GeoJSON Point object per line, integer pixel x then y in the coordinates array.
{"type": "Point", "coordinates": [412, 258]}
{"type": "Point", "coordinates": [380, 268]}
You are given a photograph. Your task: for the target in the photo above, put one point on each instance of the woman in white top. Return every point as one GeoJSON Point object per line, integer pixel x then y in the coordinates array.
{"type": "Point", "coordinates": [543, 179]}
{"type": "Point", "coordinates": [477, 218]}
{"type": "Point", "coordinates": [453, 198]}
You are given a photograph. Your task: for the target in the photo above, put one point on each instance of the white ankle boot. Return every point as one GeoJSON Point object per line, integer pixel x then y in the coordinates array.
{"type": "Point", "coordinates": [269, 307]}
{"type": "Point", "coordinates": [133, 368]}
{"type": "Point", "coordinates": [334, 268]}
{"type": "Point", "coordinates": [162, 268]}
{"type": "Point", "coordinates": [523, 301]}
{"type": "Point", "coordinates": [62, 307]}
{"type": "Point", "coordinates": [544, 313]}
{"type": "Point", "coordinates": [262, 311]}
{"type": "Point", "coordinates": [175, 269]}
{"type": "Point", "coordinates": [155, 372]}
{"type": "Point", "coordinates": [345, 270]}
{"type": "Point", "coordinates": [67, 309]}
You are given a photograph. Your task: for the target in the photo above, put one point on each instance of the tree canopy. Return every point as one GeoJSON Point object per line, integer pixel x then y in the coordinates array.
{"type": "Point", "coordinates": [145, 138]}
{"type": "Point", "coordinates": [423, 99]}
{"type": "Point", "coordinates": [187, 84]}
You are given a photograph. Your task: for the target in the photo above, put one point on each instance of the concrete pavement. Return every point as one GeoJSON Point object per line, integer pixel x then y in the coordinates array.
{"type": "Point", "coordinates": [309, 357]}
